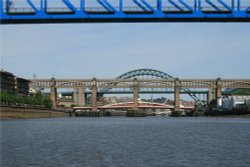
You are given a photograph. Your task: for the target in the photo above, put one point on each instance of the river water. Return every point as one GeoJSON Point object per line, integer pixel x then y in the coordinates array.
{"type": "Point", "coordinates": [125, 142]}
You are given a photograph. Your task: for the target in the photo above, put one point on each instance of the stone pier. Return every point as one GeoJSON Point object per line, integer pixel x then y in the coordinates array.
{"type": "Point", "coordinates": [53, 92]}
{"type": "Point", "coordinates": [176, 112]}
{"type": "Point", "coordinates": [219, 92]}
{"type": "Point", "coordinates": [79, 96]}
{"type": "Point", "coordinates": [135, 112]}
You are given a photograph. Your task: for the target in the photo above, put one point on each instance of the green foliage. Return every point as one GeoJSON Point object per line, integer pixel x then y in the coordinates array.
{"type": "Point", "coordinates": [3, 97]}
{"type": "Point", "coordinates": [37, 100]}
{"type": "Point", "coordinates": [47, 103]}
{"type": "Point", "coordinates": [242, 91]}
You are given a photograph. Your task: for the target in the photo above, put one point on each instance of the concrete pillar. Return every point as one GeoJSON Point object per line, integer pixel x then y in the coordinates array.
{"type": "Point", "coordinates": [177, 95]}
{"type": "Point", "coordinates": [79, 96]}
{"type": "Point", "coordinates": [75, 96]}
{"type": "Point", "coordinates": [82, 100]}
{"type": "Point", "coordinates": [219, 92]}
{"type": "Point", "coordinates": [94, 95]}
{"type": "Point", "coordinates": [136, 94]}
{"type": "Point", "coordinates": [53, 93]}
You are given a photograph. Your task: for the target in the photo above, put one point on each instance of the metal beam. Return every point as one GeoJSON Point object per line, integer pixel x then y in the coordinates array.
{"type": "Point", "coordinates": [143, 11]}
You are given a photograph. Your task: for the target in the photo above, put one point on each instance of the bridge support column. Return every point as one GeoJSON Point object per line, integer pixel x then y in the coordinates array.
{"type": "Point", "coordinates": [135, 112]}
{"type": "Point", "coordinates": [53, 92]}
{"type": "Point", "coordinates": [136, 94]}
{"type": "Point", "coordinates": [176, 111]}
{"type": "Point", "coordinates": [1, 7]}
{"type": "Point", "coordinates": [210, 95]}
{"type": "Point", "coordinates": [8, 5]}
{"type": "Point", "coordinates": [79, 96]}
{"type": "Point", "coordinates": [219, 92]}
{"type": "Point", "coordinates": [94, 95]}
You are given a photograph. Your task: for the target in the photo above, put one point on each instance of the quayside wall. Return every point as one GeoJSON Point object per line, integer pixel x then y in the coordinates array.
{"type": "Point", "coordinates": [14, 112]}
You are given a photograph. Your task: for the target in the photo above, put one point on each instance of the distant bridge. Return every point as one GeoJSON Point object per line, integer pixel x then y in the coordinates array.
{"type": "Point", "coordinates": [92, 11]}
{"type": "Point", "coordinates": [138, 80]}
{"type": "Point", "coordinates": [156, 74]}
{"type": "Point", "coordinates": [129, 106]}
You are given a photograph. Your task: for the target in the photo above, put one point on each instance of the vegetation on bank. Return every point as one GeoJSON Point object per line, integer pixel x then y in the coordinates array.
{"type": "Point", "coordinates": [37, 100]}
{"type": "Point", "coordinates": [242, 92]}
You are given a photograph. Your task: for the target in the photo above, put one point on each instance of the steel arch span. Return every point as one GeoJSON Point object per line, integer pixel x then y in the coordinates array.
{"type": "Point", "coordinates": [141, 73]}
{"type": "Point", "coordinates": [92, 11]}
{"type": "Point", "coordinates": [157, 74]}
{"type": "Point", "coordinates": [145, 72]}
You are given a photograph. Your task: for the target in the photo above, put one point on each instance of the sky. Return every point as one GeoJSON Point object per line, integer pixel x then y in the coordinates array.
{"type": "Point", "coordinates": [84, 51]}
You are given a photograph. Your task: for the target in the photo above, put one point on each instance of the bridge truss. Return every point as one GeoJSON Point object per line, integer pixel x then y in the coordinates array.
{"type": "Point", "coordinates": [136, 84]}
{"type": "Point", "coordinates": [161, 75]}
{"type": "Point", "coordinates": [143, 83]}
{"type": "Point", "coordinates": [90, 11]}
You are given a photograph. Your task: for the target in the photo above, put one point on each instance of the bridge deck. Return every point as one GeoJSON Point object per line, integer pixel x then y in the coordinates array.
{"type": "Point", "coordinates": [174, 11]}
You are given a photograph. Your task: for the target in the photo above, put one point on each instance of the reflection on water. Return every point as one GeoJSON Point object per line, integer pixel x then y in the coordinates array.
{"type": "Point", "coordinates": [123, 142]}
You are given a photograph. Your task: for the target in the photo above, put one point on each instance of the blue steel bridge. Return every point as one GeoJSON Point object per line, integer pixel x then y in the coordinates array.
{"type": "Point", "coordinates": [92, 11]}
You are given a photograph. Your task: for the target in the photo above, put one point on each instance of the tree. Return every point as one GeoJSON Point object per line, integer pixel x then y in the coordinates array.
{"type": "Point", "coordinates": [37, 99]}
{"type": "Point", "coordinates": [4, 97]}
{"type": "Point", "coordinates": [47, 103]}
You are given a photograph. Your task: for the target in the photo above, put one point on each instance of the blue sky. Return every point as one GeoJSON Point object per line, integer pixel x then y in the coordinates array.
{"type": "Point", "coordinates": [185, 50]}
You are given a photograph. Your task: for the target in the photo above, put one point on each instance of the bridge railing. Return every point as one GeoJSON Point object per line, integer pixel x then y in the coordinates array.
{"type": "Point", "coordinates": [62, 10]}
{"type": "Point", "coordinates": [167, 10]}
{"type": "Point", "coordinates": [146, 83]}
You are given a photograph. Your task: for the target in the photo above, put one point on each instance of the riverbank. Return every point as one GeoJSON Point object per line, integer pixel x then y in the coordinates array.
{"type": "Point", "coordinates": [14, 112]}
{"type": "Point", "coordinates": [229, 116]}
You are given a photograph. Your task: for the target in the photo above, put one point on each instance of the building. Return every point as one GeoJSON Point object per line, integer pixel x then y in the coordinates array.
{"type": "Point", "coordinates": [235, 101]}
{"type": "Point", "coordinates": [22, 86]}
{"type": "Point", "coordinates": [11, 84]}
{"type": "Point", "coordinates": [7, 82]}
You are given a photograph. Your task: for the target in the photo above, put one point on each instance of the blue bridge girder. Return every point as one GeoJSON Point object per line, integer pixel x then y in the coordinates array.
{"type": "Point", "coordinates": [39, 11]}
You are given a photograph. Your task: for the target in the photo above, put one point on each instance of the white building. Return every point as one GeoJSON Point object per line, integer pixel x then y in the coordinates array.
{"type": "Point", "coordinates": [231, 102]}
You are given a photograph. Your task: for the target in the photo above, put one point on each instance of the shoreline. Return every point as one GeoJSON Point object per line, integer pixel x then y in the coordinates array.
{"type": "Point", "coordinates": [15, 112]}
